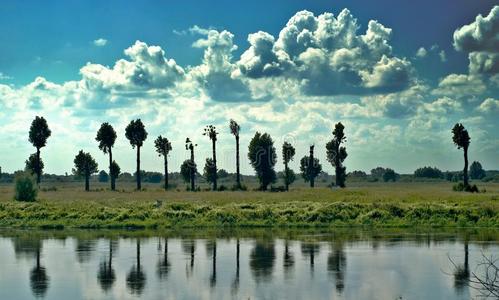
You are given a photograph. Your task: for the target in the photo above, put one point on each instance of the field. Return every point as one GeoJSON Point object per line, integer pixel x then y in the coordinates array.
{"type": "Point", "coordinates": [400, 204]}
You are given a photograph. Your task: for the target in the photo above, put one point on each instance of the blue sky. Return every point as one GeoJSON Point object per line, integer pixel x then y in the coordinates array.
{"type": "Point", "coordinates": [397, 73]}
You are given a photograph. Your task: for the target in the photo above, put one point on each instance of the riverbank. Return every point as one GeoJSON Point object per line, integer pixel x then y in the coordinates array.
{"type": "Point", "coordinates": [374, 205]}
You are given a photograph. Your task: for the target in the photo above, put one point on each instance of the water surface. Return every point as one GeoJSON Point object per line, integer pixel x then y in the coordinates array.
{"type": "Point", "coordinates": [242, 264]}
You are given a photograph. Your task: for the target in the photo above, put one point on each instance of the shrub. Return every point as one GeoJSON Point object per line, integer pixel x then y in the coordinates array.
{"type": "Point", "coordinates": [460, 187]}
{"type": "Point", "coordinates": [428, 172]}
{"type": "Point", "coordinates": [25, 189]}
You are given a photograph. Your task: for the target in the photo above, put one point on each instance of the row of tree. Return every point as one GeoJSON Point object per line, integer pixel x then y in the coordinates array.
{"type": "Point", "coordinates": [261, 154]}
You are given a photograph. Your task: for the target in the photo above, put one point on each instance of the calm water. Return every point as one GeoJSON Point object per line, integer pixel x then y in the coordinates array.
{"type": "Point", "coordinates": [247, 264]}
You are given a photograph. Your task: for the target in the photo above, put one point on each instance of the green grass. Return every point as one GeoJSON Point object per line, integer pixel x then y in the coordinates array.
{"type": "Point", "coordinates": [360, 204]}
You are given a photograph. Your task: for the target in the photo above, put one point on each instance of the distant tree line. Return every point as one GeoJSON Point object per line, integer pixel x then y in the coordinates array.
{"type": "Point", "coordinates": [262, 156]}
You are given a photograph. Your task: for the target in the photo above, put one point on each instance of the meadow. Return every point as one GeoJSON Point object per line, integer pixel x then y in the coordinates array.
{"type": "Point", "coordinates": [373, 204]}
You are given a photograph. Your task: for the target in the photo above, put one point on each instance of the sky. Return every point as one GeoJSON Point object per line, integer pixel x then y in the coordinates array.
{"type": "Point", "coordinates": [397, 74]}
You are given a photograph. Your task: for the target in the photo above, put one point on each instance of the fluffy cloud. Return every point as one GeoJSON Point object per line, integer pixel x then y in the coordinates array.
{"type": "Point", "coordinates": [481, 40]}
{"type": "Point", "coordinates": [148, 68]}
{"type": "Point", "coordinates": [460, 85]}
{"type": "Point", "coordinates": [101, 42]}
{"type": "Point", "coordinates": [421, 52]}
{"type": "Point", "coordinates": [326, 56]}
{"type": "Point", "coordinates": [480, 35]}
{"type": "Point", "coordinates": [489, 106]}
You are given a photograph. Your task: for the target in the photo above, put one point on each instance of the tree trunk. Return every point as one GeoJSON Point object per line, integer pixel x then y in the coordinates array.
{"type": "Point", "coordinates": [139, 186]}
{"type": "Point", "coordinates": [87, 181]}
{"type": "Point", "coordinates": [38, 169]}
{"type": "Point", "coordinates": [465, 170]}
{"type": "Point", "coordinates": [286, 176]}
{"type": "Point", "coordinates": [192, 170]}
{"type": "Point", "coordinates": [113, 184]}
{"type": "Point", "coordinates": [310, 167]}
{"type": "Point", "coordinates": [166, 173]}
{"type": "Point", "coordinates": [238, 176]}
{"type": "Point", "coordinates": [213, 143]}
{"type": "Point", "coordinates": [138, 254]}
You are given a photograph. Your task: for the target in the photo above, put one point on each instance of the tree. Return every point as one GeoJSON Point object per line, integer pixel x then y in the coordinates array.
{"type": "Point", "coordinates": [476, 170]}
{"type": "Point", "coordinates": [378, 172]}
{"type": "Point", "coordinates": [85, 165]}
{"type": "Point", "coordinates": [136, 133]}
{"type": "Point", "coordinates": [263, 157]}
{"type": "Point", "coordinates": [390, 175]}
{"type": "Point", "coordinates": [106, 136]}
{"type": "Point", "coordinates": [39, 132]}
{"type": "Point", "coordinates": [34, 164]}
{"type": "Point", "coordinates": [461, 139]}
{"type": "Point", "coordinates": [192, 163]}
{"type": "Point", "coordinates": [103, 176]}
{"type": "Point", "coordinates": [310, 167]}
{"type": "Point", "coordinates": [114, 170]}
{"type": "Point", "coordinates": [337, 154]}
{"type": "Point", "coordinates": [163, 147]}
{"type": "Point", "coordinates": [212, 133]}
{"type": "Point", "coordinates": [210, 171]}
{"type": "Point", "coordinates": [186, 169]}
{"type": "Point", "coordinates": [428, 172]}
{"type": "Point", "coordinates": [234, 129]}
{"type": "Point", "coordinates": [288, 152]}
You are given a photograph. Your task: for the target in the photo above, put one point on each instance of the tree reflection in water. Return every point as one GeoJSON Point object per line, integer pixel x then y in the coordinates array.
{"type": "Point", "coordinates": [163, 267]}
{"type": "Point", "coordinates": [38, 278]}
{"type": "Point", "coordinates": [462, 272]}
{"type": "Point", "coordinates": [262, 259]}
{"type": "Point", "coordinates": [235, 283]}
{"type": "Point", "coordinates": [310, 249]}
{"type": "Point", "coordinates": [188, 247]}
{"type": "Point", "coordinates": [288, 261]}
{"type": "Point", "coordinates": [336, 266]}
{"type": "Point", "coordinates": [84, 249]}
{"type": "Point", "coordinates": [136, 278]}
{"type": "Point", "coordinates": [106, 275]}
{"type": "Point", "coordinates": [211, 250]}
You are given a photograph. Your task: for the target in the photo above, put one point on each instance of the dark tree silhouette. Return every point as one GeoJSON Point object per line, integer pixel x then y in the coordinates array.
{"type": "Point", "coordinates": [337, 154]}
{"type": "Point", "coordinates": [288, 152]}
{"type": "Point", "coordinates": [461, 139]}
{"type": "Point", "coordinates": [85, 165]}
{"type": "Point", "coordinates": [106, 274]}
{"type": "Point", "coordinates": [476, 170]}
{"type": "Point", "coordinates": [289, 260]}
{"type": "Point", "coordinates": [210, 171]}
{"type": "Point", "coordinates": [235, 283]}
{"type": "Point", "coordinates": [164, 264]}
{"type": "Point", "coordinates": [106, 136]}
{"type": "Point", "coordinates": [136, 278]}
{"type": "Point", "coordinates": [115, 170]}
{"type": "Point", "coordinates": [234, 129]}
{"type": "Point", "coordinates": [34, 165]}
{"type": "Point", "coordinates": [211, 132]}
{"type": "Point", "coordinates": [310, 249]}
{"type": "Point", "coordinates": [189, 248]}
{"type": "Point", "coordinates": [263, 157]}
{"type": "Point", "coordinates": [462, 272]}
{"type": "Point", "coordinates": [192, 163]}
{"type": "Point", "coordinates": [310, 167]}
{"type": "Point", "coordinates": [39, 279]}
{"type": "Point", "coordinates": [185, 170]}
{"type": "Point", "coordinates": [336, 266]}
{"type": "Point", "coordinates": [39, 132]}
{"type": "Point", "coordinates": [163, 147]}
{"type": "Point", "coordinates": [390, 175]}
{"type": "Point", "coordinates": [262, 258]}
{"type": "Point", "coordinates": [103, 176]}
{"type": "Point", "coordinates": [211, 250]}
{"type": "Point", "coordinates": [136, 133]}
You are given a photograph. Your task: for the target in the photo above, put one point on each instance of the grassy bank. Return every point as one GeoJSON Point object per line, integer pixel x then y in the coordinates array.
{"type": "Point", "coordinates": [370, 204]}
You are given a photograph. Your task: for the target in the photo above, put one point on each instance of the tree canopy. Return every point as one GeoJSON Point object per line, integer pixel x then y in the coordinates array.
{"type": "Point", "coordinates": [33, 165]}
{"type": "Point", "coordinates": [262, 156]}
{"type": "Point", "coordinates": [136, 133]}
{"type": "Point", "coordinates": [163, 146]}
{"type": "Point", "coordinates": [106, 136]}
{"type": "Point", "coordinates": [336, 154]}
{"type": "Point", "coordinates": [39, 132]}
{"type": "Point", "coordinates": [476, 170]}
{"type": "Point", "coordinates": [85, 164]}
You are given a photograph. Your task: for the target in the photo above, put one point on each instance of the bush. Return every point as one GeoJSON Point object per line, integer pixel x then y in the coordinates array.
{"type": "Point", "coordinates": [428, 172]}
{"type": "Point", "coordinates": [25, 189]}
{"type": "Point", "coordinates": [460, 187]}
